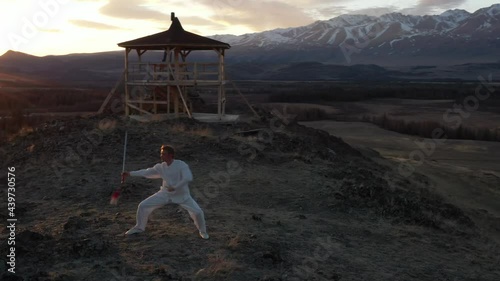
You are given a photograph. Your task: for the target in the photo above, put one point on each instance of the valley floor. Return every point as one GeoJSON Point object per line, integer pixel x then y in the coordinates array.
{"type": "Point", "coordinates": [465, 172]}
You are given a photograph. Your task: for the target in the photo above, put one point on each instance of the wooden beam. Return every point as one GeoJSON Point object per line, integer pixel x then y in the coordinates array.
{"type": "Point", "coordinates": [219, 96]}
{"type": "Point", "coordinates": [184, 102]}
{"type": "Point", "coordinates": [217, 50]}
{"type": "Point", "coordinates": [138, 109]}
{"type": "Point", "coordinates": [174, 83]}
{"type": "Point", "coordinates": [148, 102]}
{"type": "Point", "coordinates": [176, 101]}
{"type": "Point", "coordinates": [184, 54]}
{"type": "Point", "coordinates": [245, 99]}
{"type": "Point", "coordinates": [167, 55]}
{"type": "Point", "coordinates": [111, 93]}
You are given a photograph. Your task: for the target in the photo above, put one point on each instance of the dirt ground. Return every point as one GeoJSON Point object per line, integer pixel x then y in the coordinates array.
{"type": "Point", "coordinates": [281, 203]}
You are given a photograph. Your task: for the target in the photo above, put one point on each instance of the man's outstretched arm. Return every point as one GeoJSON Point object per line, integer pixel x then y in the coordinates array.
{"type": "Point", "coordinates": [150, 173]}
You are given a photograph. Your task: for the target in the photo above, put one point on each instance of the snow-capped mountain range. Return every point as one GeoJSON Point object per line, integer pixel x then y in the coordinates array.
{"type": "Point", "coordinates": [453, 36]}
{"type": "Point", "coordinates": [453, 45]}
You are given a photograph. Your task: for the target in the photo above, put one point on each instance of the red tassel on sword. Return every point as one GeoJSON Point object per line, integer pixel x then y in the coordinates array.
{"type": "Point", "coordinates": [118, 191]}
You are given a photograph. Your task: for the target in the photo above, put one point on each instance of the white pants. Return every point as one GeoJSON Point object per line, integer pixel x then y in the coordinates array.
{"type": "Point", "coordinates": [161, 198]}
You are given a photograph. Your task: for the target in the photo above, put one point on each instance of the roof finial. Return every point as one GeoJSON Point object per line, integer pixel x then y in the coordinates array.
{"type": "Point", "coordinates": [172, 16]}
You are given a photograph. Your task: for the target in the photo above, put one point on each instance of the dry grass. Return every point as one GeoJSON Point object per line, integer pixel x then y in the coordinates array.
{"type": "Point", "coordinates": [316, 238]}
{"type": "Point", "coordinates": [234, 242]}
{"type": "Point", "coordinates": [23, 131]}
{"type": "Point", "coordinates": [106, 125]}
{"type": "Point", "coordinates": [177, 128]}
{"type": "Point", "coordinates": [202, 132]}
{"type": "Point", "coordinates": [198, 130]}
{"type": "Point", "coordinates": [219, 265]}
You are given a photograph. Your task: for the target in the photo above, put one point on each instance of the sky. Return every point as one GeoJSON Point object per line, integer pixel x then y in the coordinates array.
{"type": "Point", "coordinates": [57, 27]}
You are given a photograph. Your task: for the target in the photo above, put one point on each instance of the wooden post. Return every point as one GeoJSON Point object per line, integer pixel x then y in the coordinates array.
{"type": "Point", "coordinates": [219, 96]}
{"type": "Point", "coordinates": [153, 92]}
{"type": "Point", "coordinates": [176, 81]}
{"type": "Point", "coordinates": [185, 88]}
{"type": "Point", "coordinates": [176, 103]}
{"type": "Point", "coordinates": [179, 94]}
{"type": "Point", "coordinates": [168, 99]}
{"type": "Point", "coordinates": [195, 73]}
{"type": "Point", "coordinates": [155, 107]}
{"type": "Point", "coordinates": [222, 79]}
{"type": "Point", "coordinates": [127, 97]}
{"type": "Point", "coordinates": [168, 60]}
{"type": "Point", "coordinates": [139, 55]}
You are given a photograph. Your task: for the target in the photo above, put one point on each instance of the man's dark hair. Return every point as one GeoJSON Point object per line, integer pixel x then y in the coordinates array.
{"type": "Point", "coordinates": [168, 149]}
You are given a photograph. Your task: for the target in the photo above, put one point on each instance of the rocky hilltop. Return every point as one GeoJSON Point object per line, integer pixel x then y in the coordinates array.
{"type": "Point", "coordinates": [282, 202]}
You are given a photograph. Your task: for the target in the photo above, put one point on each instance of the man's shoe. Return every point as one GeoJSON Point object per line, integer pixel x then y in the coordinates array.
{"type": "Point", "coordinates": [133, 230]}
{"type": "Point", "coordinates": [204, 235]}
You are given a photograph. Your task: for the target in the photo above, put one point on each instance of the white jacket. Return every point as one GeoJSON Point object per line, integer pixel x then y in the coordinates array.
{"type": "Point", "coordinates": [177, 175]}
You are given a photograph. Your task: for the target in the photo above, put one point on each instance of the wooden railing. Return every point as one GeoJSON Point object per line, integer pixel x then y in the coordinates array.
{"type": "Point", "coordinates": [173, 74]}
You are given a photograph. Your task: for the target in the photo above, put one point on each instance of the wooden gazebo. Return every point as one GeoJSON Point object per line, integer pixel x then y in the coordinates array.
{"type": "Point", "coordinates": [171, 83]}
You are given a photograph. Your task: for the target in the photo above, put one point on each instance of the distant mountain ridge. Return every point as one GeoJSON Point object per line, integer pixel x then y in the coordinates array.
{"type": "Point", "coordinates": [453, 45]}
{"type": "Point", "coordinates": [74, 69]}
{"type": "Point", "coordinates": [455, 36]}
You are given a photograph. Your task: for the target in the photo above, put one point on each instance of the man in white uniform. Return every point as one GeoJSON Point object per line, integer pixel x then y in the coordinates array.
{"type": "Point", "coordinates": [174, 189]}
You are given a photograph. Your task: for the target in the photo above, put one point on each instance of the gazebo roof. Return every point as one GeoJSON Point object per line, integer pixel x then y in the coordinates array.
{"type": "Point", "coordinates": [175, 36]}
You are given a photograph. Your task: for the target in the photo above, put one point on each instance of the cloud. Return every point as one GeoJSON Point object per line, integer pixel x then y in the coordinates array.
{"type": "Point", "coordinates": [375, 12]}
{"type": "Point", "coordinates": [93, 24]}
{"type": "Point", "coordinates": [422, 7]}
{"type": "Point", "coordinates": [331, 12]}
{"type": "Point", "coordinates": [257, 15]}
{"type": "Point", "coordinates": [50, 30]}
{"type": "Point", "coordinates": [132, 9]}
{"type": "Point", "coordinates": [447, 4]}
{"type": "Point", "coordinates": [320, 9]}
{"type": "Point", "coordinates": [432, 6]}
{"type": "Point", "coordinates": [199, 21]}
{"type": "Point", "coordinates": [305, 3]}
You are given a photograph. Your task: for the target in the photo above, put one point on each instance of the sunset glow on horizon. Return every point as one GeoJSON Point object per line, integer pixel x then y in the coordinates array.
{"type": "Point", "coordinates": [57, 27]}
